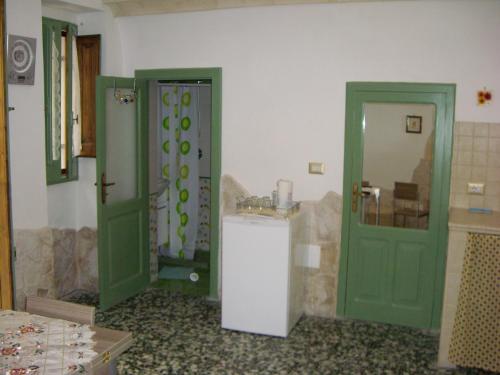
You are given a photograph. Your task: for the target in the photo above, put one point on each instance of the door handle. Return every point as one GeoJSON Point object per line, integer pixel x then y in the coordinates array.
{"type": "Point", "coordinates": [355, 194]}
{"type": "Point", "coordinates": [104, 185]}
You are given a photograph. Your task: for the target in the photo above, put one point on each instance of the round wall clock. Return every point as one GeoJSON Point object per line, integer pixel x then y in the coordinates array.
{"type": "Point", "coordinates": [21, 60]}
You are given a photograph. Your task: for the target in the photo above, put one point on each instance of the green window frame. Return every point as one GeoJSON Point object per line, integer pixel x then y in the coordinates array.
{"type": "Point", "coordinates": [61, 164]}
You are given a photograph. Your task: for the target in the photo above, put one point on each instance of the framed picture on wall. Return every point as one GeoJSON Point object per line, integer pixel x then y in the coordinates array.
{"type": "Point", "coordinates": [414, 124]}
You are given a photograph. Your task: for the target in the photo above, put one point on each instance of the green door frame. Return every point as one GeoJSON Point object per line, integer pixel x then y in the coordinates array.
{"type": "Point", "coordinates": [448, 91]}
{"type": "Point", "coordinates": [215, 75]}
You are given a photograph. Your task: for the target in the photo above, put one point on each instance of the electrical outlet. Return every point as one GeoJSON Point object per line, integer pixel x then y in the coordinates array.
{"type": "Point", "coordinates": [316, 167]}
{"type": "Point", "coordinates": [475, 188]}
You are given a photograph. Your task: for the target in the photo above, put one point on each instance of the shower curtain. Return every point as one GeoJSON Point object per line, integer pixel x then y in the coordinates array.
{"type": "Point", "coordinates": [178, 162]}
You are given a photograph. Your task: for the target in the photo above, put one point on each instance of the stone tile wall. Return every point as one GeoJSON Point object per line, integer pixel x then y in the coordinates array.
{"type": "Point", "coordinates": [34, 263]}
{"type": "Point", "coordinates": [56, 260]}
{"type": "Point", "coordinates": [324, 220]}
{"type": "Point", "coordinates": [476, 158]}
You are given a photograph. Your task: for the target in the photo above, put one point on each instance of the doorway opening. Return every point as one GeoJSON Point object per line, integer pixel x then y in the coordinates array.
{"type": "Point", "coordinates": [126, 266]}
{"type": "Point", "coordinates": [184, 178]}
{"type": "Point", "coordinates": [180, 174]}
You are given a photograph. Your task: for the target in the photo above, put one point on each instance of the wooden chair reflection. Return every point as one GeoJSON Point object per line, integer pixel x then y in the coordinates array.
{"type": "Point", "coordinates": [407, 202]}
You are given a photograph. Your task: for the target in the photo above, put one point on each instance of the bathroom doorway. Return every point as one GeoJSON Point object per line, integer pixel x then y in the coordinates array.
{"type": "Point", "coordinates": [199, 275]}
{"type": "Point", "coordinates": [397, 168]}
{"type": "Point", "coordinates": [180, 184]}
{"type": "Point", "coordinates": [123, 201]}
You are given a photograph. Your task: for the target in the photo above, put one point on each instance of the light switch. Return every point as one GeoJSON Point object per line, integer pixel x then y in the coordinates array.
{"type": "Point", "coordinates": [316, 167]}
{"type": "Point", "coordinates": [475, 188]}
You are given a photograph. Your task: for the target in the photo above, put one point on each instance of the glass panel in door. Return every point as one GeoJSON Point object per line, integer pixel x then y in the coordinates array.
{"type": "Point", "coordinates": [397, 164]}
{"type": "Point", "coordinates": [121, 145]}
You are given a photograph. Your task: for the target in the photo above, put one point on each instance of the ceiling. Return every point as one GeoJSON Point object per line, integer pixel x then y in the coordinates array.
{"type": "Point", "coordinates": [143, 7]}
{"type": "Point", "coordinates": [75, 6]}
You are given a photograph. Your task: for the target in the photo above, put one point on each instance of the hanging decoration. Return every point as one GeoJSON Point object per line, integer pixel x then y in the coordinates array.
{"type": "Point", "coordinates": [126, 96]}
{"type": "Point", "coordinates": [484, 96]}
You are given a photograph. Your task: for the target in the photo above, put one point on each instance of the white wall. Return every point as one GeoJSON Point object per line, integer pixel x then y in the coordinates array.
{"type": "Point", "coordinates": [59, 14]}
{"type": "Point", "coordinates": [26, 125]}
{"type": "Point", "coordinates": [284, 74]}
{"type": "Point", "coordinates": [285, 69]}
{"type": "Point", "coordinates": [111, 50]}
{"type": "Point", "coordinates": [34, 205]}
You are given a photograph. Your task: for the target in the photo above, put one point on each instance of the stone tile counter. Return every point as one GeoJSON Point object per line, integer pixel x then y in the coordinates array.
{"type": "Point", "coordinates": [461, 222]}
{"type": "Point", "coordinates": [464, 221]}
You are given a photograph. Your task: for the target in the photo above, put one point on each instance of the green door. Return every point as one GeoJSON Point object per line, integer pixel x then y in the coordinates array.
{"type": "Point", "coordinates": [122, 191]}
{"type": "Point", "coordinates": [396, 189]}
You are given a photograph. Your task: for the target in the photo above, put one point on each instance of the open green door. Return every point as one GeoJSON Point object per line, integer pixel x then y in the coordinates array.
{"type": "Point", "coordinates": [122, 191]}
{"type": "Point", "coordinates": [396, 188]}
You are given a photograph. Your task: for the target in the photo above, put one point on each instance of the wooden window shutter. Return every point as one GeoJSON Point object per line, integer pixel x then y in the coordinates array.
{"type": "Point", "coordinates": [89, 63]}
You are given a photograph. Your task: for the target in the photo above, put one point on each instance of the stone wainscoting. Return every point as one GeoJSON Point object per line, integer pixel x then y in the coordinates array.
{"type": "Point", "coordinates": [57, 261]}
{"type": "Point", "coordinates": [323, 227]}
{"type": "Point", "coordinates": [63, 260]}
{"type": "Point", "coordinates": [324, 221]}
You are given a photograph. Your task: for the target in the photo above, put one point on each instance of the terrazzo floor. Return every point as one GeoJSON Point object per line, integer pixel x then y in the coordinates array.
{"type": "Point", "coordinates": [179, 334]}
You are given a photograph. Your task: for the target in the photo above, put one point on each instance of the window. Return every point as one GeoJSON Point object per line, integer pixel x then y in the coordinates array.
{"type": "Point", "coordinates": [62, 101]}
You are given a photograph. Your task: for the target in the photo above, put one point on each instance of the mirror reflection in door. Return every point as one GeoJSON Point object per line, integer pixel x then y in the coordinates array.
{"type": "Point", "coordinates": [397, 164]}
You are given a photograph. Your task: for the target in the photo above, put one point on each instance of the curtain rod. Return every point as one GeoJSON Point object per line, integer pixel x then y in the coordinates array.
{"type": "Point", "coordinates": [184, 84]}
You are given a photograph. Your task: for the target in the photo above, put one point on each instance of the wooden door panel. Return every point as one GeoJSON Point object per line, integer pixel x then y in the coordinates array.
{"type": "Point", "coordinates": [124, 240]}
{"type": "Point", "coordinates": [123, 218]}
{"type": "Point", "coordinates": [408, 274]}
{"type": "Point", "coordinates": [371, 256]}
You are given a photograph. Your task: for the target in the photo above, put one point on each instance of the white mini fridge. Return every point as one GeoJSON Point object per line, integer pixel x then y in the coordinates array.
{"type": "Point", "coordinates": [262, 276]}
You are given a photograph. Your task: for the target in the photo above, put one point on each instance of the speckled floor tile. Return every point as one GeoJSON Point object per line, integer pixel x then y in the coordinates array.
{"type": "Point", "coordinates": [178, 334]}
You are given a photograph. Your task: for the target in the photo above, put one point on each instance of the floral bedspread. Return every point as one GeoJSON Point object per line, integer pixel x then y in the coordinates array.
{"type": "Point", "coordinates": [37, 345]}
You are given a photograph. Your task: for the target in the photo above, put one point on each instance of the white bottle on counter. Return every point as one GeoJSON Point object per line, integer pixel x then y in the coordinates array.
{"type": "Point", "coordinates": [285, 193]}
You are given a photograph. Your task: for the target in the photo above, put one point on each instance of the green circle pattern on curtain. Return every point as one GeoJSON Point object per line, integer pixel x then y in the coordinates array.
{"type": "Point", "coordinates": [186, 99]}
{"type": "Point", "coordinates": [184, 195]}
{"type": "Point", "coordinates": [184, 219]}
{"type": "Point", "coordinates": [166, 123]}
{"type": "Point", "coordinates": [184, 149]}
{"type": "Point", "coordinates": [184, 171]}
{"type": "Point", "coordinates": [166, 146]}
{"type": "Point", "coordinates": [165, 100]}
{"type": "Point", "coordinates": [185, 123]}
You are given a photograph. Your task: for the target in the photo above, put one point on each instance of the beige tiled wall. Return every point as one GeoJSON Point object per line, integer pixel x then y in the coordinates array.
{"type": "Point", "coordinates": [476, 158]}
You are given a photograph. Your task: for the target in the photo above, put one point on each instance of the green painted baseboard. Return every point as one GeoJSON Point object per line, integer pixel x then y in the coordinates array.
{"type": "Point", "coordinates": [201, 260]}
{"type": "Point", "coordinates": [198, 288]}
